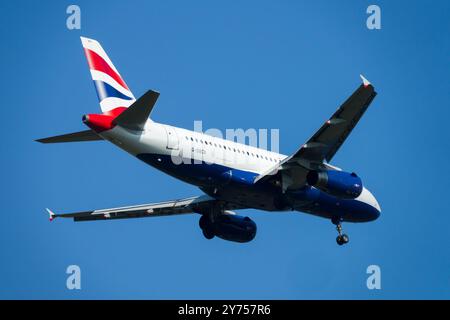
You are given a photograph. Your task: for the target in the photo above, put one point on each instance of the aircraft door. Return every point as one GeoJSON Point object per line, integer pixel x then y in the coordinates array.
{"type": "Point", "coordinates": [172, 138]}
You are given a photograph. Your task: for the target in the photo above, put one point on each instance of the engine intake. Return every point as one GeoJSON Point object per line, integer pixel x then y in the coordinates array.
{"type": "Point", "coordinates": [229, 227]}
{"type": "Point", "coordinates": [340, 184]}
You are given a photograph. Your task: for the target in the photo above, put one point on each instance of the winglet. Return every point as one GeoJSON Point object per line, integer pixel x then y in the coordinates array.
{"type": "Point", "coordinates": [365, 81]}
{"type": "Point", "coordinates": [51, 214]}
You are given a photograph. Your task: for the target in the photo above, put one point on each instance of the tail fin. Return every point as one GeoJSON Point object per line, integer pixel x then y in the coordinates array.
{"type": "Point", "coordinates": [112, 91]}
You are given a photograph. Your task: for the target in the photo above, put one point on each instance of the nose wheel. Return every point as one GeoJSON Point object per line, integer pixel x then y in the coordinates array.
{"type": "Point", "coordinates": [342, 238]}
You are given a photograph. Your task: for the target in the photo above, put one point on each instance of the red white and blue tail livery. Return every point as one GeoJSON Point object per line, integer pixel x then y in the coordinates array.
{"type": "Point", "coordinates": [231, 175]}
{"type": "Point", "coordinates": [112, 91]}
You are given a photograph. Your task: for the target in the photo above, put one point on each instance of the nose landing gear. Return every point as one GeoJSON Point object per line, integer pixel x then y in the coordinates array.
{"type": "Point", "coordinates": [341, 239]}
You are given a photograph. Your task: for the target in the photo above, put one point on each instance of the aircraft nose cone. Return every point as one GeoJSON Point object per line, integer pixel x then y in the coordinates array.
{"type": "Point", "coordinates": [377, 206]}
{"type": "Point", "coordinates": [376, 214]}
{"type": "Point", "coordinates": [368, 198]}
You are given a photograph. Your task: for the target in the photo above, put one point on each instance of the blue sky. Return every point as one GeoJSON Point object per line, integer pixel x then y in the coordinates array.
{"type": "Point", "coordinates": [258, 64]}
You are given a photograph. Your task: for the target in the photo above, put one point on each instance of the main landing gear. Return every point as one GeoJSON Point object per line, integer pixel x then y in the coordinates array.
{"type": "Point", "coordinates": [341, 238]}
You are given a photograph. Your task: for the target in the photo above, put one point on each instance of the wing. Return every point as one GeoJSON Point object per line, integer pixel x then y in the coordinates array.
{"type": "Point", "coordinates": [324, 144]}
{"type": "Point", "coordinates": [328, 139]}
{"type": "Point", "coordinates": [168, 208]}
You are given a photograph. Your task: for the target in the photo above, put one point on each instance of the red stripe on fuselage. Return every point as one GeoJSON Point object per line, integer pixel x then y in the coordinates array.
{"type": "Point", "coordinates": [98, 63]}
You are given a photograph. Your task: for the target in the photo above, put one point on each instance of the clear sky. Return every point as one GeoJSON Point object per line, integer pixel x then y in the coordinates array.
{"type": "Point", "coordinates": [232, 64]}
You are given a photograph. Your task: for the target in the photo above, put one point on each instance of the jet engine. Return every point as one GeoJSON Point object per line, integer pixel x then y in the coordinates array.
{"type": "Point", "coordinates": [340, 184]}
{"type": "Point", "coordinates": [228, 226]}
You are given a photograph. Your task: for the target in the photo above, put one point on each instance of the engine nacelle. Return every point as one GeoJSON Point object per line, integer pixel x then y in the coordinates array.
{"type": "Point", "coordinates": [229, 227]}
{"type": "Point", "coordinates": [340, 184]}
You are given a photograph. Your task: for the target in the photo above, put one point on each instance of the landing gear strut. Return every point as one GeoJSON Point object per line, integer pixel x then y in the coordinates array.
{"type": "Point", "coordinates": [341, 238]}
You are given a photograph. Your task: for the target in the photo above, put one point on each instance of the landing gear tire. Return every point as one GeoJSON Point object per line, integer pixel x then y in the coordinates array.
{"type": "Point", "coordinates": [342, 239]}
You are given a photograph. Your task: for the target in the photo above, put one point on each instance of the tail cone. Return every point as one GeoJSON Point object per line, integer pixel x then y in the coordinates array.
{"type": "Point", "coordinates": [102, 122]}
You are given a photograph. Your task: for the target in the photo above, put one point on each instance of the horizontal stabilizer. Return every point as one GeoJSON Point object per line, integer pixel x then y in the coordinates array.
{"type": "Point", "coordinates": [87, 135]}
{"type": "Point", "coordinates": [136, 115]}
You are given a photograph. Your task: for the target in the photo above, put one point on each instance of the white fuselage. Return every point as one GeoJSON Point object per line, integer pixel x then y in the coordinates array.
{"type": "Point", "coordinates": [193, 146]}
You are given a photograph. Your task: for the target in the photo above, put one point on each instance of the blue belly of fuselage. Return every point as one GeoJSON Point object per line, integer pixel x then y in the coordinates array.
{"type": "Point", "coordinates": [236, 186]}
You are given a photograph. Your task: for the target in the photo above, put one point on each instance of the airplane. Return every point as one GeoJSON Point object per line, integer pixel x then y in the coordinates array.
{"type": "Point", "coordinates": [231, 175]}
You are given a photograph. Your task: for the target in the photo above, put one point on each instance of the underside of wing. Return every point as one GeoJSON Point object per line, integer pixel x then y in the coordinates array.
{"type": "Point", "coordinates": [323, 145]}
{"type": "Point", "coordinates": [198, 204]}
